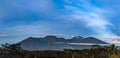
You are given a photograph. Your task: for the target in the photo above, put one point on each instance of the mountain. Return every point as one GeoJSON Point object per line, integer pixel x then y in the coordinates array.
{"type": "Point", "coordinates": [55, 43]}
{"type": "Point", "coordinates": [92, 40]}
{"type": "Point", "coordinates": [76, 39]}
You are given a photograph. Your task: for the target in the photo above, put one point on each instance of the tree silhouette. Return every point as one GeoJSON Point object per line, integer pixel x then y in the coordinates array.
{"type": "Point", "coordinates": [14, 49]}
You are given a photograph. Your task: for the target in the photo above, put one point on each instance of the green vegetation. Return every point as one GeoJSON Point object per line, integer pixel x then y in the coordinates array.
{"type": "Point", "coordinates": [15, 51]}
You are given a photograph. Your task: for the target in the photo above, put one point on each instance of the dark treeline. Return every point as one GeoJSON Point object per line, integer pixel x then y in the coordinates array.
{"type": "Point", "coordinates": [15, 51]}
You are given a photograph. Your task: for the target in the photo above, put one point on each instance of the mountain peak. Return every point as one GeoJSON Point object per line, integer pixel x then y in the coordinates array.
{"type": "Point", "coordinates": [30, 38]}
{"type": "Point", "coordinates": [50, 36]}
{"type": "Point", "coordinates": [77, 37]}
{"type": "Point", "coordinates": [90, 38]}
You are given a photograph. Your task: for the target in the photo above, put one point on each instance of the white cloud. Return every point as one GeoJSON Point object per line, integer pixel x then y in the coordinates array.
{"type": "Point", "coordinates": [94, 19]}
{"type": "Point", "coordinates": [2, 35]}
{"type": "Point", "coordinates": [82, 11]}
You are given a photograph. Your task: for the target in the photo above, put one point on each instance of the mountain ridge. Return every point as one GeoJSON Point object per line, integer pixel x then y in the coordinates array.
{"type": "Point", "coordinates": [56, 43]}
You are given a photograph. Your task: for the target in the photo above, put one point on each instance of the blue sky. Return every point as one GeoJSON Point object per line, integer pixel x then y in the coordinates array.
{"type": "Point", "coordinates": [20, 19]}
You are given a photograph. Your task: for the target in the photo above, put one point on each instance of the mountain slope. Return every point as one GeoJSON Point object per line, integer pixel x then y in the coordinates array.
{"type": "Point", "coordinates": [55, 43]}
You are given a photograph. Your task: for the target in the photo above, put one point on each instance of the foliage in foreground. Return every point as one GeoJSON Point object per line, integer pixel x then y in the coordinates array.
{"type": "Point", "coordinates": [15, 51]}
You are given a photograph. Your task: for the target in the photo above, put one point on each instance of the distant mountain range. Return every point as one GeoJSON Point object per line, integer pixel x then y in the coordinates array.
{"type": "Point", "coordinates": [55, 43]}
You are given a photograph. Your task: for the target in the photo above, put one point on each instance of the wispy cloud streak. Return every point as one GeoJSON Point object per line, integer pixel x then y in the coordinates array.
{"type": "Point", "coordinates": [93, 17]}
{"type": "Point", "coordinates": [2, 35]}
